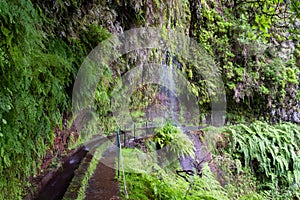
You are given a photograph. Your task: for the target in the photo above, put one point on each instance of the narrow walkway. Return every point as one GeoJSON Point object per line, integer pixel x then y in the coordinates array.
{"type": "Point", "coordinates": [102, 185]}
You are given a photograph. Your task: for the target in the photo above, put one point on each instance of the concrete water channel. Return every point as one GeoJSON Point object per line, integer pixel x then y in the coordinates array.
{"type": "Point", "coordinates": [68, 180]}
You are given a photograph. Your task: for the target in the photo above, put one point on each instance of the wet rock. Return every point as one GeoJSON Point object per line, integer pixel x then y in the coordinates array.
{"type": "Point", "coordinates": [202, 155]}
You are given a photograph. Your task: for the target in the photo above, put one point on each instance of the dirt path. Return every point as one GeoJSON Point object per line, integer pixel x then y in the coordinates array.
{"type": "Point", "coordinates": [102, 185]}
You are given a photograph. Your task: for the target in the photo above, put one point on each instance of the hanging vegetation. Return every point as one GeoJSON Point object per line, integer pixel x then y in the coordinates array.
{"type": "Point", "coordinates": [255, 45]}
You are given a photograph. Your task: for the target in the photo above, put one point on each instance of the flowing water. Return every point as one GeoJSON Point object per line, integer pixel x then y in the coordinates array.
{"type": "Point", "coordinates": [57, 186]}
{"type": "Point", "coordinates": [168, 93]}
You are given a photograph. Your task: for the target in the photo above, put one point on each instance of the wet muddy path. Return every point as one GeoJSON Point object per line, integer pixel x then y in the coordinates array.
{"type": "Point", "coordinates": [103, 184]}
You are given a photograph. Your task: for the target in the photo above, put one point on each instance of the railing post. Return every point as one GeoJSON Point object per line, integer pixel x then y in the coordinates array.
{"type": "Point", "coordinates": [119, 152]}
{"type": "Point", "coordinates": [134, 132]}
{"type": "Point", "coordinates": [146, 129]}
{"type": "Point", "coordinates": [125, 138]}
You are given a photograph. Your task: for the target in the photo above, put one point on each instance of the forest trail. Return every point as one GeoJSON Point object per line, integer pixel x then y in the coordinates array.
{"type": "Point", "coordinates": [103, 185]}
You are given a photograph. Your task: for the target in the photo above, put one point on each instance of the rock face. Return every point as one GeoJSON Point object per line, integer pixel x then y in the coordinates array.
{"type": "Point", "coordinates": [92, 22]}
{"type": "Point", "coordinates": [290, 110]}
{"type": "Point", "coordinates": [202, 154]}
{"type": "Point", "coordinates": [284, 114]}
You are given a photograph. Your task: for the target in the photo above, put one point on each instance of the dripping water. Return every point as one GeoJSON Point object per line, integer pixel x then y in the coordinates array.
{"type": "Point", "coordinates": [168, 93]}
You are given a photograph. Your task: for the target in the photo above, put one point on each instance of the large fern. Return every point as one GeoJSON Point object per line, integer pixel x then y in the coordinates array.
{"type": "Point", "coordinates": [270, 151]}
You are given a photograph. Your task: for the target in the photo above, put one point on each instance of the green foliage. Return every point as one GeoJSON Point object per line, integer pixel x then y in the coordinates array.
{"type": "Point", "coordinates": [136, 161]}
{"type": "Point", "coordinates": [270, 151]}
{"type": "Point", "coordinates": [182, 145]}
{"type": "Point", "coordinates": [103, 100]}
{"type": "Point", "coordinates": [35, 73]}
{"type": "Point", "coordinates": [165, 135]}
{"type": "Point", "coordinates": [147, 180]}
{"type": "Point", "coordinates": [93, 35]}
{"type": "Point", "coordinates": [39, 52]}
{"type": "Point", "coordinates": [165, 184]}
{"type": "Point", "coordinates": [174, 140]}
{"type": "Point", "coordinates": [208, 187]}
{"type": "Point", "coordinates": [82, 32]}
{"type": "Point", "coordinates": [243, 37]}
{"type": "Point", "coordinates": [143, 98]}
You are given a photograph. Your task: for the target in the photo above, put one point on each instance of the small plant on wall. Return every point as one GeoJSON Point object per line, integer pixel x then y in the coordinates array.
{"type": "Point", "coordinates": [165, 135]}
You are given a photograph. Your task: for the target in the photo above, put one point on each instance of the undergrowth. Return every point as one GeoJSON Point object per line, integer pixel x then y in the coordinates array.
{"type": "Point", "coordinates": [269, 152]}
{"type": "Point", "coordinates": [162, 183]}
{"type": "Point", "coordinates": [147, 178]}
{"type": "Point", "coordinates": [255, 161]}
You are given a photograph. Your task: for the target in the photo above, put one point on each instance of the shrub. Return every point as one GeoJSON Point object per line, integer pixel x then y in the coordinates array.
{"type": "Point", "coordinates": [174, 140]}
